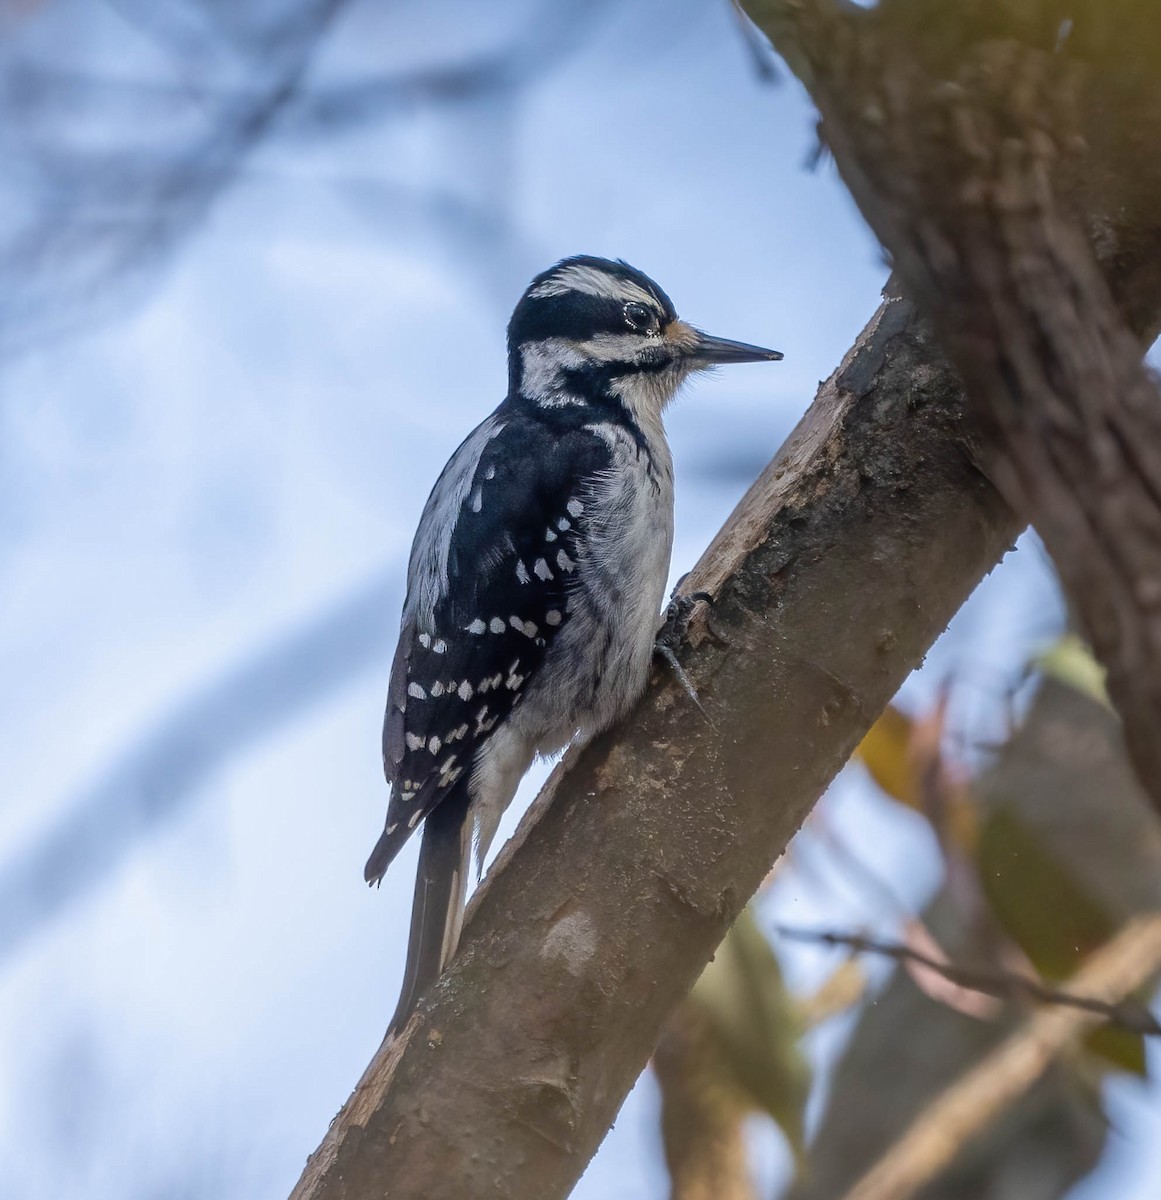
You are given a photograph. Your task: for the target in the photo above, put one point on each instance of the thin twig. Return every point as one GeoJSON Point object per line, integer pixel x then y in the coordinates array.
{"type": "Point", "coordinates": [974, 1101]}
{"type": "Point", "coordinates": [1006, 985]}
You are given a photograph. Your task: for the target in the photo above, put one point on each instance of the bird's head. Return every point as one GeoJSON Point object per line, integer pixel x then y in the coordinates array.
{"type": "Point", "coordinates": [589, 329]}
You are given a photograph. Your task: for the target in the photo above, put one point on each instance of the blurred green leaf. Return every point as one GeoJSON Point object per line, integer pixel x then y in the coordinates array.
{"type": "Point", "coordinates": [1071, 662]}
{"type": "Point", "coordinates": [1120, 1048]}
{"type": "Point", "coordinates": [885, 752]}
{"type": "Point", "coordinates": [1053, 918]}
{"type": "Point", "coordinates": [1070, 848]}
{"type": "Point", "coordinates": [756, 1027]}
{"type": "Point", "coordinates": [902, 755]}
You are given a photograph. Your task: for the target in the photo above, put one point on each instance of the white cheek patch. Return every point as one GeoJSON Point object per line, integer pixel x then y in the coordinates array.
{"type": "Point", "coordinates": [542, 364]}
{"type": "Point", "coordinates": [615, 347]}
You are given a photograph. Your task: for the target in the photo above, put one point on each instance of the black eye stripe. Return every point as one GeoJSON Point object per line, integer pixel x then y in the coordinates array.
{"type": "Point", "coordinates": [576, 317]}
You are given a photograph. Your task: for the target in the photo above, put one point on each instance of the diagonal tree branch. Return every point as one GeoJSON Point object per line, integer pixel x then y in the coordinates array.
{"type": "Point", "coordinates": [836, 572]}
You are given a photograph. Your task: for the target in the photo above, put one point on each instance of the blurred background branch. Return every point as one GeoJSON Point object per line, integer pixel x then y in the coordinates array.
{"type": "Point", "coordinates": [1005, 985]}
{"type": "Point", "coordinates": [1131, 959]}
{"type": "Point", "coordinates": [112, 166]}
{"type": "Point", "coordinates": [171, 764]}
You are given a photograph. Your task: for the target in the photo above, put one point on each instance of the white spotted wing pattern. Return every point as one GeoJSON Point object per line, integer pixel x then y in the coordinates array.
{"type": "Point", "coordinates": [464, 663]}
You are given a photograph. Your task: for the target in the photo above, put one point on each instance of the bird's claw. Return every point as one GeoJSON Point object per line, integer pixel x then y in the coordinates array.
{"type": "Point", "coordinates": [672, 633]}
{"type": "Point", "coordinates": [678, 615]}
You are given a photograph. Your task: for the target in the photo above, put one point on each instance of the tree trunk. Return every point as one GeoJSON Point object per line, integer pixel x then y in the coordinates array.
{"type": "Point", "coordinates": [973, 142]}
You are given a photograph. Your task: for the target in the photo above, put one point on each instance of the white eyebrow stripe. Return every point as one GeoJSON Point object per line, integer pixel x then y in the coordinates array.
{"type": "Point", "coordinates": [591, 282]}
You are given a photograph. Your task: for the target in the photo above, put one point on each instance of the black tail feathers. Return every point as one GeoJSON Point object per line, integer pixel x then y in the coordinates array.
{"type": "Point", "coordinates": [437, 910]}
{"type": "Point", "coordinates": [386, 848]}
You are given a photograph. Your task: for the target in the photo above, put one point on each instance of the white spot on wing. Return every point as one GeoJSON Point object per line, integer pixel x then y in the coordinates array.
{"type": "Point", "coordinates": [425, 640]}
{"type": "Point", "coordinates": [552, 617]}
{"type": "Point", "coordinates": [464, 691]}
{"type": "Point", "coordinates": [496, 625]}
{"type": "Point", "coordinates": [437, 688]}
{"type": "Point", "coordinates": [522, 571]}
{"type": "Point", "coordinates": [414, 689]}
{"type": "Point", "coordinates": [439, 646]}
{"type": "Point", "coordinates": [564, 562]}
{"type": "Point", "coordinates": [434, 744]}
{"type": "Point", "coordinates": [476, 500]}
{"type": "Point", "coordinates": [575, 507]}
{"type": "Point", "coordinates": [415, 742]}
{"type": "Point", "coordinates": [477, 626]}
{"type": "Point", "coordinates": [541, 569]}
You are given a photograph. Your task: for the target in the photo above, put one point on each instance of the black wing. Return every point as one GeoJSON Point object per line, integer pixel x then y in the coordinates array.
{"type": "Point", "coordinates": [510, 564]}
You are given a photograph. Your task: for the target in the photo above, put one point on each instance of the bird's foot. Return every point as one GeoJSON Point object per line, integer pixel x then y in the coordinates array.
{"type": "Point", "coordinates": [672, 633]}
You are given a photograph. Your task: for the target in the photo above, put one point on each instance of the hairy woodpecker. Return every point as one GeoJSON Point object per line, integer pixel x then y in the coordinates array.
{"type": "Point", "coordinates": [536, 577]}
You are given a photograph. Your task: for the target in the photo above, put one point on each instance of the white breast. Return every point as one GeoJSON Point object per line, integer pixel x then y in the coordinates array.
{"type": "Point", "coordinates": [598, 665]}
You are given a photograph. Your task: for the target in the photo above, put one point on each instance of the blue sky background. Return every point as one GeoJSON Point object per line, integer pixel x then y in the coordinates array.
{"type": "Point", "coordinates": [208, 485]}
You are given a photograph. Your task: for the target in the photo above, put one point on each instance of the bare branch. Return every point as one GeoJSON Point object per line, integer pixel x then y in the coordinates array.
{"type": "Point", "coordinates": [976, 1100]}
{"type": "Point", "coordinates": [93, 222]}
{"type": "Point", "coordinates": [1005, 985]}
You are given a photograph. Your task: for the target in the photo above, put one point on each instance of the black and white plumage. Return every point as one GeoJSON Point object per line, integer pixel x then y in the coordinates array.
{"type": "Point", "coordinates": [536, 577]}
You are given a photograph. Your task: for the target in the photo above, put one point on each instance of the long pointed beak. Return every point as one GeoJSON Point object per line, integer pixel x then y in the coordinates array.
{"type": "Point", "coordinates": [708, 351]}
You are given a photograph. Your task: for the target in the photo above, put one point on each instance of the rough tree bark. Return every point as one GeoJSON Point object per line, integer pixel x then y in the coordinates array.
{"type": "Point", "coordinates": [835, 574]}
{"type": "Point", "coordinates": [967, 140]}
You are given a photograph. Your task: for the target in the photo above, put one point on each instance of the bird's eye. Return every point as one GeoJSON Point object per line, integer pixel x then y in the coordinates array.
{"type": "Point", "coordinates": [639, 316]}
